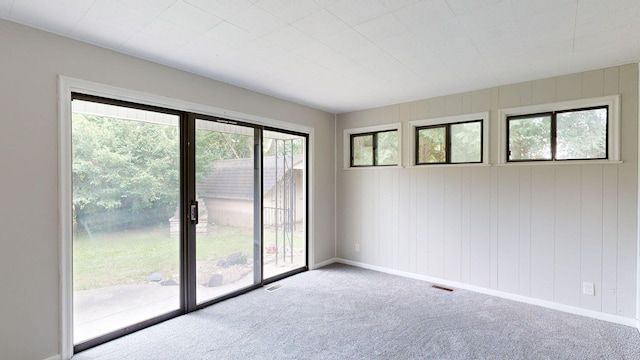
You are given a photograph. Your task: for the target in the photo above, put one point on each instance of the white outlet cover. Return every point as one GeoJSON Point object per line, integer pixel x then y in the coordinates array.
{"type": "Point", "coordinates": [588, 288]}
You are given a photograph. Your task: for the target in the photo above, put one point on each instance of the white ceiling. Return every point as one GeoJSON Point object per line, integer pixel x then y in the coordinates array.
{"type": "Point", "coordinates": [345, 55]}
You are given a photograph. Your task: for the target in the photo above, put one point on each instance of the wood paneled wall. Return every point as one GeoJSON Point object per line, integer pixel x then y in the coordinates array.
{"type": "Point", "coordinates": [532, 230]}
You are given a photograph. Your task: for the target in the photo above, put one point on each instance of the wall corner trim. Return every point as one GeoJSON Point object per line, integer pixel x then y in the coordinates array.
{"type": "Point", "coordinates": [325, 263]}
{"type": "Point", "coordinates": [523, 299]}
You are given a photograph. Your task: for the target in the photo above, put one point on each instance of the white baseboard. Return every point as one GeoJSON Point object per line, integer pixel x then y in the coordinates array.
{"type": "Point", "coordinates": [524, 299]}
{"type": "Point", "coordinates": [54, 357]}
{"type": "Point", "coordinates": [324, 263]}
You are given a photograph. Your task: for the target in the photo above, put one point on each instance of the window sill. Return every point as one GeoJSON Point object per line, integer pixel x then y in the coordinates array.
{"type": "Point", "coordinates": [373, 167]}
{"type": "Point", "coordinates": [560, 163]}
{"type": "Point", "coordinates": [447, 166]}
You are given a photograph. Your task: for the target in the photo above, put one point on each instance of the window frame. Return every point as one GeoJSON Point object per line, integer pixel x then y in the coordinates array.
{"type": "Point", "coordinates": [612, 103]}
{"type": "Point", "coordinates": [447, 127]}
{"type": "Point", "coordinates": [350, 134]}
{"type": "Point", "coordinates": [482, 117]}
{"type": "Point", "coordinates": [553, 133]}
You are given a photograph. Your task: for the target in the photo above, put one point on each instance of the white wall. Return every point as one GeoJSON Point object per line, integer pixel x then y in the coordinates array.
{"type": "Point", "coordinates": [30, 62]}
{"type": "Point", "coordinates": [532, 230]}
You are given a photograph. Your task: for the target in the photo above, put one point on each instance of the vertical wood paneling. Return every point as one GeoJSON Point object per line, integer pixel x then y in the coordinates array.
{"type": "Point", "coordinates": [508, 228]}
{"type": "Point", "coordinates": [542, 232]}
{"type": "Point", "coordinates": [611, 81]}
{"type": "Point", "coordinates": [509, 96]}
{"type": "Point", "coordinates": [479, 223]}
{"type": "Point", "coordinates": [436, 107]}
{"type": "Point", "coordinates": [422, 109]}
{"type": "Point", "coordinates": [569, 87]}
{"type": "Point", "coordinates": [609, 239]}
{"type": "Point", "coordinates": [465, 225]}
{"type": "Point", "coordinates": [343, 230]}
{"type": "Point", "coordinates": [493, 249]}
{"type": "Point", "coordinates": [395, 220]}
{"type": "Point", "coordinates": [349, 231]}
{"type": "Point", "coordinates": [386, 218]}
{"type": "Point", "coordinates": [591, 234]}
{"type": "Point", "coordinates": [567, 235]}
{"type": "Point", "coordinates": [628, 189]}
{"type": "Point", "coordinates": [367, 207]}
{"type": "Point", "coordinates": [453, 104]}
{"type": "Point", "coordinates": [414, 194]}
{"type": "Point", "coordinates": [466, 103]}
{"type": "Point", "coordinates": [436, 222]}
{"type": "Point", "coordinates": [593, 83]}
{"type": "Point", "coordinates": [525, 94]}
{"type": "Point", "coordinates": [405, 220]}
{"type": "Point", "coordinates": [543, 91]}
{"type": "Point", "coordinates": [481, 100]}
{"type": "Point", "coordinates": [452, 223]}
{"type": "Point", "coordinates": [422, 221]}
{"type": "Point", "coordinates": [407, 111]}
{"type": "Point", "coordinates": [525, 232]}
{"type": "Point", "coordinates": [374, 250]}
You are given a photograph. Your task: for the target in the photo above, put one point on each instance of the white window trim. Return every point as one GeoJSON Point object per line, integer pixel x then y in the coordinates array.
{"type": "Point", "coordinates": [67, 85]}
{"type": "Point", "coordinates": [482, 116]}
{"type": "Point", "coordinates": [377, 128]}
{"type": "Point", "coordinates": [613, 141]}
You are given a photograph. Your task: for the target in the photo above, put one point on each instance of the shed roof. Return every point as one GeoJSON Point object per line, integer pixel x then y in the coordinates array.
{"type": "Point", "coordinates": [233, 179]}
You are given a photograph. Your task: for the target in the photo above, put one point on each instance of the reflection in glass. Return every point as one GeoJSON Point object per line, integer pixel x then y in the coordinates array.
{"type": "Point", "coordinates": [225, 237]}
{"type": "Point", "coordinates": [466, 142]}
{"type": "Point", "coordinates": [284, 203]}
{"type": "Point", "coordinates": [387, 149]}
{"type": "Point", "coordinates": [126, 261]}
{"type": "Point", "coordinates": [581, 134]}
{"type": "Point", "coordinates": [530, 138]}
{"type": "Point", "coordinates": [432, 145]}
{"type": "Point", "coordinates": [362, 150]}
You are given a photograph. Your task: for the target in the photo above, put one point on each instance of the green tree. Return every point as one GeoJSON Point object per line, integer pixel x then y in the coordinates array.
{"type": "Point", "coordinates": [387, 149]}
{"type": "Point", "coordinates": [580, 134]}
{"type": "Point", "coordinates": [466, 142]}
{"type": "Point", "coordinates": [432, 145]}
{"type": "Point", "coordinates": [125, 173]}
{"type": "Point", "coordinates": [530, 138]}
{"type": "Point", "coordinates": [362, 150]}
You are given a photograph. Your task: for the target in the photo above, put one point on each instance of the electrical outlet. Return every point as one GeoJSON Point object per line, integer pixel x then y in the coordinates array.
{"type": "Point", "coordinates": [589, 288]}
{"type": "Point", "coordinates": [357, 247]}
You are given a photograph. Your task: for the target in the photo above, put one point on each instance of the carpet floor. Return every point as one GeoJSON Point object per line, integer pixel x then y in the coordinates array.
{"type": "Point", "coordinates": [344, 312]}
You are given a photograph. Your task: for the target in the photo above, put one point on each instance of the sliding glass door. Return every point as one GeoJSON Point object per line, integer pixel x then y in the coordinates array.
{"type": "Point", "coordinates": [284, 203]}
{"type": "Point", "coordinates": [173, 211]}
{"type": "Point", "coordinates": [126, 195]}
{"type": "Point", "coordinates": [227, 235]}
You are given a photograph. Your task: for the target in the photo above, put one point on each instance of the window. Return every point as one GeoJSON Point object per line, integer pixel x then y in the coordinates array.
{"type": "Point", "coordinates": [452, 143]}
{"type": "Point", "coordinates": [378, 148]}
{"type": "Point", "coordinates": [576, 134]}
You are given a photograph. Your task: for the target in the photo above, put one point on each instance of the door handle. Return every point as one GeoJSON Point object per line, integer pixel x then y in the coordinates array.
{"type": "Point", "coordinates": [193, 213]}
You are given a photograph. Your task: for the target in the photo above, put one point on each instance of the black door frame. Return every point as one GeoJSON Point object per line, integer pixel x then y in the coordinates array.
{"type": "Point", "coordinates": [187, 185]}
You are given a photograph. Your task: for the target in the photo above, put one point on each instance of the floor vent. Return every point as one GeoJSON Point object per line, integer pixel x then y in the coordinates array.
{"type": "Point", "coordinates": [275, 287]}
{"type": "Point", "coordinates": [441, 288]}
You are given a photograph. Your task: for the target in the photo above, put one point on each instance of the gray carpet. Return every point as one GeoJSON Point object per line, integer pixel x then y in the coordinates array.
{"type": "Point", "coordinates": [343, 312]}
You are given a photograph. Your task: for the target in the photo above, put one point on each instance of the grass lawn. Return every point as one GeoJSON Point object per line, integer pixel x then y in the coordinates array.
{"type": "Point", "coordinates": [124, 258]}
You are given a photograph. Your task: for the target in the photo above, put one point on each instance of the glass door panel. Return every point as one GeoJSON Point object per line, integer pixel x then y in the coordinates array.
{"type": "Point", "coordinates": [226, 234]}
{"type": "Point", "coordinates": [284, 203]}
{"type": "Point", "coordinates": [126, 231]}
